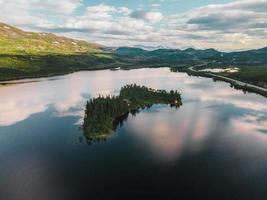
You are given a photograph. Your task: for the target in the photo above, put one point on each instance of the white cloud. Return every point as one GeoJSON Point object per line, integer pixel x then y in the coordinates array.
{"type": "Point", "coordinates": [149, 16]}
{"type": "Point", "coordinates": [101, 24]}
{"type": "Point", "coordinates": [63, 6]}
{"type": "Point", "coordinates": [101, 11]}
{"type": "Point", "coordinates": [237, 16]}
{"type": "Point", "coordinates": [35, 13]}
{"type": "Point", "coordinates": [154, 17]}
{"type": "Point", "coordinates": [232, 26]}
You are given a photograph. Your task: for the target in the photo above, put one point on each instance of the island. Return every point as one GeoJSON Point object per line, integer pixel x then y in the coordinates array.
{"type": "Point", "coordinates": [102, 114]}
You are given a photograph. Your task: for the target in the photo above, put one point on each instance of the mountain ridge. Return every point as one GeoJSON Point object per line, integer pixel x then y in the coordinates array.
{"type": "Point", "coordinates": [17, 41]}
{"type": "Point", "coordinates": [26, 54]}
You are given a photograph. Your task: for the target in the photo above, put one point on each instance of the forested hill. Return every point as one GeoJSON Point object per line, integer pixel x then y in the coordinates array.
{"type": "Point", "coordinates": [194, 56]}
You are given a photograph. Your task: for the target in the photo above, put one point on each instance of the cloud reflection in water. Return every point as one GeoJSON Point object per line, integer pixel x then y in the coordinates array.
{"type": "Point", "coordinates": [67, 96]}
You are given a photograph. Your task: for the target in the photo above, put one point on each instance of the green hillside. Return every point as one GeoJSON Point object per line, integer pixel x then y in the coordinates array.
{"type": "Point", "coordinates": [18, 42]}
{"type": "Point", "coordinates": [29, 54]}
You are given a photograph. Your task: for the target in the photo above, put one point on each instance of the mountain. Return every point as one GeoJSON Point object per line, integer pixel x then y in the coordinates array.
{"type": "Point", "coordinates": [168, 56]}
{"type": "Point", "coordinates": [150, 48]}
{"type": "Point", "coordinates": [247, 58]}
{"type": "Point", "coordinates": [179, 54]}
{"type": "Point", "coordinates": [29, 54]}
{"type": "Point", "coordinates": [203, 53]}
{"type": "Point", "coordinates": [16, 41]}
{"type": "Point", "coordinates": [156, 58]}
{"type": "Point", "coordinates": [130, 51]}
{"type": "Point", "coordinates": [196, 56]}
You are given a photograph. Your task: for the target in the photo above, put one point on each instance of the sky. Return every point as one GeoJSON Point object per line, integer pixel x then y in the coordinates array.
{"type": "Point", "coordinates": [227, 25]}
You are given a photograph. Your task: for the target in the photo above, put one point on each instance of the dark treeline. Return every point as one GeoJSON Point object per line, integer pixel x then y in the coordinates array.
{"type": "Point", "coordinates": [102, 113]}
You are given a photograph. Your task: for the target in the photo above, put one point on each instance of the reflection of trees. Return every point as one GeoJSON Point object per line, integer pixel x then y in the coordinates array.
{"type": "Point", "coordinates": [118, 122]}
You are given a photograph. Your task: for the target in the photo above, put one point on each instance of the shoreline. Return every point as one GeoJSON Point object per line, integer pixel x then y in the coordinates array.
{"type": "Point", "coordinates": [102, 113]}
{"type": "Point", "coordinates": [17, 80]}
{"type": "Point", "coordinates": [240, 85]}
{"type": "Point", "coordinates": [31, 78]}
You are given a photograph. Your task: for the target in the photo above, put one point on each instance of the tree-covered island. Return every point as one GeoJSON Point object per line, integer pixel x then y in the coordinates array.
{"type": "Point", "coordinates": [102, 113]}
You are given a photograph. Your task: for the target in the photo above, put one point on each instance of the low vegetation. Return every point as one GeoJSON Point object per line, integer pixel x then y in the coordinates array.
{"type": "Point", "coordinates": [102, 113]}
{"type": "Point", "coordinates": [28, 54]}
{"type": "Point", "coordinates": [255, 75]}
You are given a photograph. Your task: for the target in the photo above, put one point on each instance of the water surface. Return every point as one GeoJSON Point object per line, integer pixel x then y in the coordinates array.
{"type": "Point", "coordinates": [214, 146]}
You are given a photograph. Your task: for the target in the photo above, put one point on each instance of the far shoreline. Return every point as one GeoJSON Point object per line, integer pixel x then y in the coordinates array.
{"type": "Point", "coordinates": [33, 78]}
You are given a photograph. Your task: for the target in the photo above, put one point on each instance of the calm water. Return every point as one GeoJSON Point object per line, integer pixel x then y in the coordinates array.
{"type": "Point", "coordinates": [214, 146]}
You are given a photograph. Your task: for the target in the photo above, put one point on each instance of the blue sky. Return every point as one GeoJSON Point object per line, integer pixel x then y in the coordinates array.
{"type": "Point", "coordinates": [167, 6]}
{"type": "Point", "coordinates": [227, 25]}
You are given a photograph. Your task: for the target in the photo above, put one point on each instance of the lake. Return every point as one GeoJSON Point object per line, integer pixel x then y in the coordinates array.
{"type": "Point", "coordinates": [214, 146]}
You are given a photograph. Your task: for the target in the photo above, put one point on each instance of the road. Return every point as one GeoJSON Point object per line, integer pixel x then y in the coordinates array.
{"type": "Point", "coordinates": [240, 83]}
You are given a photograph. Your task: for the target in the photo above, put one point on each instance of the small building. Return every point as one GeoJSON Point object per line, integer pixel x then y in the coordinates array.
{"type": "Point", "coordinates": [127, 101]}
{"type": "Point", "coordinates": [175, 102]}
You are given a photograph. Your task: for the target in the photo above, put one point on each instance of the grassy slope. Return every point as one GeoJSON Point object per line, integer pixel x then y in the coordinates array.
{"type": "Point", "coordinates": [28, 54]}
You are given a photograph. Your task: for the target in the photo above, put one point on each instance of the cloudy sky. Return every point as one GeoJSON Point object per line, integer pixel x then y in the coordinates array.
{"type": "Point", "coordinates": [222, 24]}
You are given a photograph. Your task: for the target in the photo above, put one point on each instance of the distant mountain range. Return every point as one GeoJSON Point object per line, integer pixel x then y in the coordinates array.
{"type": "Point", "coordinates": [250, 57]}
{"type": "Point", "coordinates": [29, 54]}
